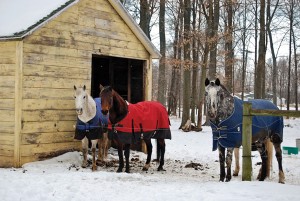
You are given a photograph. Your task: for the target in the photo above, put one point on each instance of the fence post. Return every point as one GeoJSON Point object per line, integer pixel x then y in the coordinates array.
{"type": "Point", "coordinates": [246, 142]}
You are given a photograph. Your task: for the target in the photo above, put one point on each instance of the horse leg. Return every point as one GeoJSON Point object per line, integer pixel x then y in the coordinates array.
{"type": "Point", "coordinates": [127, 153]}
{"type": "Point", "coordinates": [100, 150]}
{"type": "Point", "coordinates": [105, 145]}
{"type": "Point", "coordinates": [228, 163]}
{"type": "Point", "coordinates": [237, 161]}
{"type": "Point", "coordinates": [121, 159]}
{"type": "Point", "coordinates": [162, 146]}
{"type": "Point", "coordinates": [94, 144]}
{"type": "Point", "coordinates": [149, 153]}
{"type": "Point", "coordinates": [85, 146]}
{"type": "Point", "coordinates": [158, 151]}
{"type": "Point", "coordinates": [279, 159]}
{"type": "Point", "coordinates": [222, 162]}
{"type": "Point", "coordinates": [261, 147]}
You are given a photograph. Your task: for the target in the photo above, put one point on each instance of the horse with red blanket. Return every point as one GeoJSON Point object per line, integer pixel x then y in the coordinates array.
{"type": "Point", "coordinates": [130, 123]}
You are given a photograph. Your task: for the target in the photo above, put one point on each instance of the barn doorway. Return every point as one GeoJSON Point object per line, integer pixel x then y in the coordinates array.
{"type": "Point", "coordinates": [126, 76]}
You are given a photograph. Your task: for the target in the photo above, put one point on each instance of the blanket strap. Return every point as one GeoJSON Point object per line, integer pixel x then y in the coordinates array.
{"type": "Point", "coordinates": [142, 133]}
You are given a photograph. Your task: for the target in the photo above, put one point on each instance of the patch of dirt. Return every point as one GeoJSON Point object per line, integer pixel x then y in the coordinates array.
{"type": "Point", "coordinates": [174, 168]}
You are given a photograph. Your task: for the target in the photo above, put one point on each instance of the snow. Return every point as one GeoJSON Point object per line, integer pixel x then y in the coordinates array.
{"type": "Point", "coordinates": [62, 178]}
{"type": "Point", "coordinates": [18, 15]}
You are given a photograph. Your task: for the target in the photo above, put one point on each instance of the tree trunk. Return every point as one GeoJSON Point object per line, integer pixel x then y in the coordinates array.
{"type": "Point", "coordinates": [145, 17]}
{"type": "Point", "coordinates": [214, 14]}
{"type": "Point", "coordinates": [187, 57]}
{"type": "Point", "coordinates": [296, 71]}
{"type": "Point", "coordinates": [259, 90]}
{"type": "Point", "coordinates": [274, 59]}
{"type": "Point", "coordinates": [229, 55]}
{"type": "Point", "coordinates": [162, 61]}
{"type": "Point", "coordinates": [175, 79]}
{"type": "Point", "coordinates": [194, 65]}
{"type": "Point", "coordinates": [291, 18]}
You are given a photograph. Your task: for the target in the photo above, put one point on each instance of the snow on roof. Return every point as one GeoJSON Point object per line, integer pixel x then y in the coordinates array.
{"type": "Point", "coordinates": [20, 17]}
{"type": "Point", "coordinates": [17, 17]}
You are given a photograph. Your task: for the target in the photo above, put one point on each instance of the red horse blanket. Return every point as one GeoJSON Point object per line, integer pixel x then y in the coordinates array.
{"type": "Point", "coordinates": [144, 120]}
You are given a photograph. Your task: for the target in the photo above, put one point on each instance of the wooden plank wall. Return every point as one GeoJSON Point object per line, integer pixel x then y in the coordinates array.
{"type": "Point", "coordinates": [7, 104]}
{"type": "Point", "coordinates": [58, 56]}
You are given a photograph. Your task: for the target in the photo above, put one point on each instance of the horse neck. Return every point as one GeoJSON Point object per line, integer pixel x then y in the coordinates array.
{"type": "Point", "coordinates": [88, 110]}
{"type": "Point", "coordinates": [226, 106]}
{"type": "Point", "coordinates": [119, 109]}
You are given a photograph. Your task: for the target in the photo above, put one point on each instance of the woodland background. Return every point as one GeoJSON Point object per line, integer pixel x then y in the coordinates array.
{"type": "Point", "coordinates": [251, 45]}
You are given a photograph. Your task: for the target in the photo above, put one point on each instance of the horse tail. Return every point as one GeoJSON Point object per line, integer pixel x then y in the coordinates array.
{"type": "Point", "coordinates": [269, 148]}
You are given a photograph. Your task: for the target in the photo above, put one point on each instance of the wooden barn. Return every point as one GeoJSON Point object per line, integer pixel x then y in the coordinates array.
{"type": "Point", "coordinates": [77, 42]}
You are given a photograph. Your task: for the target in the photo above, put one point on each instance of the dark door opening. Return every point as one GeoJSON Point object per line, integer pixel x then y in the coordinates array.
{"type": "Point", "coordinates": [126, 76]}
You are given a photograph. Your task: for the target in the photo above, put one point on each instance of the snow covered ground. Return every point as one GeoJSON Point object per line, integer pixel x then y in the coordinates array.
{"type": "Point", "coordinates": [62, 178]}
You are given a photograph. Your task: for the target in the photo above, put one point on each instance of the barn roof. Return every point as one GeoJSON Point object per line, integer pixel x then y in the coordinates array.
{"type": "Point", "coordinates": [19, 18]}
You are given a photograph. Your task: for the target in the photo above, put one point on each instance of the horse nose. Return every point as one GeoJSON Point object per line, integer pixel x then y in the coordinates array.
{"type": "Point", "coordinates": [104, 112]}
{"type": "Point", "coordinates": [79, 110]}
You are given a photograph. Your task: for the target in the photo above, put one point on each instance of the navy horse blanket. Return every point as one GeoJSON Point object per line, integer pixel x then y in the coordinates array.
{"type": "Point", "coordinates": [228, 133]}
{"type": "Point", "coordinates": [144, 120]}
{"type": "Point", "coordinates": [92, 129]}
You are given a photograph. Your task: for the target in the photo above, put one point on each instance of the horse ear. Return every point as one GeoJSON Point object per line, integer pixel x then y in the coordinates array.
{"type": "Point", "coordinates": [75, 87]}
{"type": "Point", "coordinates": [84, 87]}
{"type": "Point", "coordinates": [217, 82]}
{"type": "Point", "coordinates": [206, 81]}
{"type": "Point", "coordinates": [101, 87]}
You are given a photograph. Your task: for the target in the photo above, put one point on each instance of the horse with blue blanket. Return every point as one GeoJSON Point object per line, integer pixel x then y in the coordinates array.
{"type": "Point", "coordinates": [225, 115]}
{"type": "Point", "coordinates": [89, 126]}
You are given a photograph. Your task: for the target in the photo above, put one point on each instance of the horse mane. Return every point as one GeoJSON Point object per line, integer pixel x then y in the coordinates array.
{"type": "Point", "coordinates": [119, 109]}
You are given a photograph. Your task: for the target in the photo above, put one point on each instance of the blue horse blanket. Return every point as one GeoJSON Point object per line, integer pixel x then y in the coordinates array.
{"type": "Point", "coordinates": [93, 128]}
{"type": "Point", "coordinates": [228, 133]}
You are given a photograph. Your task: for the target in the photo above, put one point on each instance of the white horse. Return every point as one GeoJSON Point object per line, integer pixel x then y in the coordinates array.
{"type": "Point", "coordinates": [90, 126]}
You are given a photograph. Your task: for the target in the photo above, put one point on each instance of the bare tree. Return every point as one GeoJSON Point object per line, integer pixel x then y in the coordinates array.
{"type": "Point", "coordinates": [214, 15]}
{"type": "Point", "coordinates": [274, 59]}
{"type": "Point", "coordinates": [259, 86]}
{"type": "Point", "coordinates": [162, 61]}
{"type": "Point", "coordinates": [187, 70]}
{"type": "Point", "coordinates": [229, 52]}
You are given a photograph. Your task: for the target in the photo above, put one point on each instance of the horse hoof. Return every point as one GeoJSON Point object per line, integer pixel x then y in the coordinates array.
{"type": "Point", "coordinates": [100, 162]}
{"type": "Point", "coordinates": [119, 170]}
{"type": "Point", "coordinates": [84, 165]}
{"type": "Point", "coordinates": [94, 168]}
{"type": "Point", "coordinates": [227, 180]}
{"type": "Point", "coordinates": [235, 174]}
{"type": "Point", "coordinates": [146, 167]}
{"type": "Point", "coordinates": [160, 169]}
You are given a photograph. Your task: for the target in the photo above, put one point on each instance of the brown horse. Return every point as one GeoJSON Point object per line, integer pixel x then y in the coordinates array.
{"type": "Point", "coordinates": [130, 123]}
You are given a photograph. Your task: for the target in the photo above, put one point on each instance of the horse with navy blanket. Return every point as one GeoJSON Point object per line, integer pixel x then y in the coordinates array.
{"type": "Point", "coordinates": [130, 123]}
{"type": "Point", "coordinates": [225, 115]}
{"type": "Point", "coordinates": [89, 126]}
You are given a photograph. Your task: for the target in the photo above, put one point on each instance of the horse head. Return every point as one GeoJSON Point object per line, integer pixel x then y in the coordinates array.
{"type": "Point", "coordinates": [106, 95]}
{"type": "Point", "coordinates": [80, 96]}
{"type": "Point", "coordinates": [212, 93]}
{"type": "Point", "coordinates": [220, 103]}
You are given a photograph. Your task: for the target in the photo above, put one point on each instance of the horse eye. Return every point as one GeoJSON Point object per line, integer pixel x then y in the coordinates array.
{"type": "Point", "coordinates": [206, 93]}
{"type": "Point", "coordinates": [74, 96]}
{"type": "Point", "coordinates": [83, 97]}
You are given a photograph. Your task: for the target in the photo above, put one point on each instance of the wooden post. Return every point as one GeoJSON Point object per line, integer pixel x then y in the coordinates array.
{"type": "Point", "coordinates": [246, 142]}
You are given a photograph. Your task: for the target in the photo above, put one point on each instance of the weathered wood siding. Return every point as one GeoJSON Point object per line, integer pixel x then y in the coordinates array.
{"type": "Point", "coordinates": [7, 102]}
{"type": "Point", "coordinates": [56, 57]}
